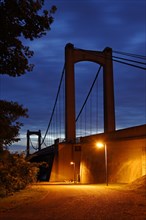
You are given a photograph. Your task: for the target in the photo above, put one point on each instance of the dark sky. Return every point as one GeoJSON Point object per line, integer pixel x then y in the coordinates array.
{"type": "Point", "coordinates": [90, 25]}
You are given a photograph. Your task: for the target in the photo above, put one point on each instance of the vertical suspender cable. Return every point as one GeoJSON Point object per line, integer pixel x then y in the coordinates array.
{"type": "Point", "coordinates": [96, 107]}
{"type": "Point", "coordinates": [54, 105]}
{"type": "Point", "coordinates": [88, 94]}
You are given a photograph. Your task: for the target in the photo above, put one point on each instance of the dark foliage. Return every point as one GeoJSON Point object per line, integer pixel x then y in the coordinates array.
{"type": "Point", "coordinates": [21, 19]}
{"type": "Point", "coordinates": [9, 125]}
{"type": "Point", "coordinates": [15, 172]}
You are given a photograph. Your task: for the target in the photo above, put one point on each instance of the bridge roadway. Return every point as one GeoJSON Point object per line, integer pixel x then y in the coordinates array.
{"type": "Point", "coordinates": [74, 202]}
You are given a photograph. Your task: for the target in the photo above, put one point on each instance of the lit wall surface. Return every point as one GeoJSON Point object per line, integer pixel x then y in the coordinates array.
{"type": "Point", "coordinates": [126, 158]}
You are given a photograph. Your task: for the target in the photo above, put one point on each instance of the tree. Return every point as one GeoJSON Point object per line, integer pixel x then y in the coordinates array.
{"type": "Point", "coordinates": [16, 172]}
{"type": "Point", "coordinates": [9, 124]}
{"type": "Point", "coordinates": [21, 19]}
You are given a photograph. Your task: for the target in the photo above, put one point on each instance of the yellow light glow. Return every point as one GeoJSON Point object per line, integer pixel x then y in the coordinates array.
{"type": "Point", "coordinates": [71, 162]}
{"type": "Point", "coordinates": [99, 145]}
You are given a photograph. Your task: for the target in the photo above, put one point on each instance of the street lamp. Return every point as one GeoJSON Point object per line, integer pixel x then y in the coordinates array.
{"type": "Point", "coordinates": [101, 145]}
{"type": "Point", "coordinates": [73, 163]}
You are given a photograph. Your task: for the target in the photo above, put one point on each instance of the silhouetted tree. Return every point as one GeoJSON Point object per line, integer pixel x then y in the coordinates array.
{"type": "Point", "coordinates": [9, 124]}
{"type": "Point", "coordinates": [21, 18]}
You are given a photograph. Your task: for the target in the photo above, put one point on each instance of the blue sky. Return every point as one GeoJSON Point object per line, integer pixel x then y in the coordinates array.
{"type": "Point", "coordinates": [90, 25]}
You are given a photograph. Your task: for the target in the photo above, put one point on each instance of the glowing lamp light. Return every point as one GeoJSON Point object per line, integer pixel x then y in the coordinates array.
{"type": "Point", "coordinates": [73, 163]}
{"type": "Point", "coordinates": [100, 145]}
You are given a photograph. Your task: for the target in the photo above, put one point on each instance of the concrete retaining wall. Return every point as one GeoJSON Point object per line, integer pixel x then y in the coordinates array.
{"type": "Point", "coordinates": [126, 158]}
{"type": "Point", "coordinates": [126, 162]}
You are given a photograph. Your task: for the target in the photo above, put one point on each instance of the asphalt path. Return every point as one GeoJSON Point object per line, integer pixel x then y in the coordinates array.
{"type": "Point", "coordinates": [78, 202]}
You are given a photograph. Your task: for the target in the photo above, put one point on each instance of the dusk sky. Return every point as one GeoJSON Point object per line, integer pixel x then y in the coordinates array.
{"type": "Point", "coordinates": [89, 25]}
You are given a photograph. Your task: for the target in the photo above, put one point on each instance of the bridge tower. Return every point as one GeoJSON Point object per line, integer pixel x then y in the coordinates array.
{"type": "Point", "coordinates": [29, 133]}
{"type": "Point", "coordinates": [104, 58]}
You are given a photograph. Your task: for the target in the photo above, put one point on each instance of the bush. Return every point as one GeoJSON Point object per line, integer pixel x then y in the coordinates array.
{"type": "Point", "coordinates": [15, 172]}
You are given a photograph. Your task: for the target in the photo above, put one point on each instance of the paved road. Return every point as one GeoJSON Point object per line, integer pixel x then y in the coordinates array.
{"type": "Point", "coordinates": [80, 202]}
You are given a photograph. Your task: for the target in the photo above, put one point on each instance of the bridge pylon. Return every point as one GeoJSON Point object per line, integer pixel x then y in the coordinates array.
{"type": "Point", "coordinates": [29, 133]}
{"type": "Point", "coordinates": [104, 58]}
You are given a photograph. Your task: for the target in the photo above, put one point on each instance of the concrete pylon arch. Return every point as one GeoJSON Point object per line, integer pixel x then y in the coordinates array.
{"type": "Point", "coordinates": [104, 58]}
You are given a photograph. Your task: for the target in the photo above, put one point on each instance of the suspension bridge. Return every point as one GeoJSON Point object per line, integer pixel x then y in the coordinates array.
{"type": "Point", "coordinates": [69, 127]}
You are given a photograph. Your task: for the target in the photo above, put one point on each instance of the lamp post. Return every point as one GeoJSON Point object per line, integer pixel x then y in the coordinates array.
{"type": "Point", "coordinates": [101, 145]}
{"type": "Point", "coordinates": [73, 163]}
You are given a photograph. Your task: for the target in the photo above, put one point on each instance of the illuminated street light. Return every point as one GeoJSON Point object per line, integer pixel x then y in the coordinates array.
{"type": "Point", "coordinates": [73, 163]}
{"type": "Point", "coordinates": [101, 145]}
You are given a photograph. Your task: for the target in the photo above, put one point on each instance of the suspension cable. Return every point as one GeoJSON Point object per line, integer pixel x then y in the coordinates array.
{"type": "Point", "coordinates": [130, 54]}
{"type": "Point", "coordinates": [134, 61]}
{"type": "Point", "coordinates": [88, 94]}
{"type": "Point", "coordinates": [96, 107]}
{"type": "Point", "coordinates": [129, 64]}
{"type": "Point", "coordinates": [54, 105]}
{"type": "Point", "coordinates": [35, 148]}
{"type": "Point", "coordinates": [45, 144]}
{"type": "Point", "coordinates": [85, 120]}
{"type": "Point", "coordinates": [119, 52]}
{"type": "Point", "coordinates": [90, 112]}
